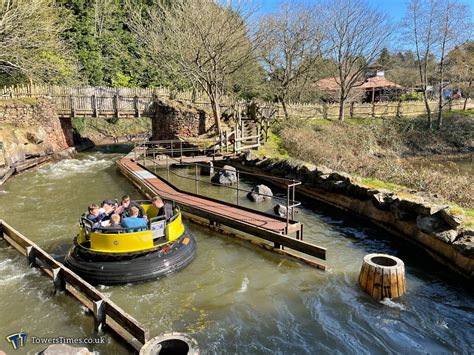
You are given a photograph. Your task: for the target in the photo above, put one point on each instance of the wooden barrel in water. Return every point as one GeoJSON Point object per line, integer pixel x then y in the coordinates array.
{"type": "Point", "coordinates": [382, 276]}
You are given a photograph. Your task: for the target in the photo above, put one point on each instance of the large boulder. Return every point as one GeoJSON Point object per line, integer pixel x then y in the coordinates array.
{"type": "Point", "coordinates": [280, 210]}
{"type": "Point", "coordinates": [451, 217]}
{"type": "Point", "coordinates": [225, 176]}
{"type": "Point", "coordinates": [260, 193]}
{"type": "Point", "coordinates": [465, 245]}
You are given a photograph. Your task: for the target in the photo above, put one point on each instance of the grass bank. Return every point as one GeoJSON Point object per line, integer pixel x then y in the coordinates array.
{"type": "Point", "coordinates": [396, 154]}
{"type": "Point", "coordinates": [102, 130]}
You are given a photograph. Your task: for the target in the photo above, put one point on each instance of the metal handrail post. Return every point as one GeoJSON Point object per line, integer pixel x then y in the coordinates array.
{"type": "Point", "coordinates": [135, 151]}
{"type": "Point", "coordinates": [167, 168]}
{"type": "Point", "coordinates": [144, 154]}
{"type": "Point", "coordinates": [293, 202]}
{"type": "Point", "coordinates": [196, 177]}
{"type": "Point", "coordinates": [287, 207]}
{"type": "Point", "coordinates": [172, 149]}
{"type": "Point", "coordinates": [238, 180]}
{"type": "Point", "coordinates": [181, 148]}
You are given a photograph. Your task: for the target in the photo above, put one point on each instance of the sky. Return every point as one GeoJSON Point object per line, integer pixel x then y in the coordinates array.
{"type": "Point", "coordinates": [395, 9]}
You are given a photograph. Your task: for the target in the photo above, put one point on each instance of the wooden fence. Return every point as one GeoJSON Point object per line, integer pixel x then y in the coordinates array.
{"type": "Point", "coordinates": [380, 109]}
{"type": "Point", "coordinates": [108, 101]}
{"type": "Point", "coordinates": [136, 102]}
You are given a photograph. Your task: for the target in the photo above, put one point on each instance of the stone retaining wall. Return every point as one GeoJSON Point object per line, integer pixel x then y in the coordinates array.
{"type": "Point", "coordinates": [30, 129]}
{"type": "Point", "coordinates": [174, 119]}
{"type": "Point", "coordinates": [437, 228]}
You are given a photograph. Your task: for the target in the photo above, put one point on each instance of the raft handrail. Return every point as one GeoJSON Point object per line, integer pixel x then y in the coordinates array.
{"type": "Point", "coordinates": [290, 183]}
{"type": "Point", "coordinates": [277, 178]}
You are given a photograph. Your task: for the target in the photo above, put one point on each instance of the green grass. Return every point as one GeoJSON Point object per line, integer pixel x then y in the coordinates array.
{"type": "Point", "coordinates": [273, 148]}
{"type": "Point", "coordinates": [379, 184]}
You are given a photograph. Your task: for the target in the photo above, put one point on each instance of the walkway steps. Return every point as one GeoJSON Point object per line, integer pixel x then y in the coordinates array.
{"type": "Point", "coordinates": [259, 224]}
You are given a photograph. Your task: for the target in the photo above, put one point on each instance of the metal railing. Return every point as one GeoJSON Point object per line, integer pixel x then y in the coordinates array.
{"type": "Point", "coordinates": [289, 200]}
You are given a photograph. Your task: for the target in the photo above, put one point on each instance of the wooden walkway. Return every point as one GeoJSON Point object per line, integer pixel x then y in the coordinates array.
{"type": "Point", "coordinates": [259, 224]}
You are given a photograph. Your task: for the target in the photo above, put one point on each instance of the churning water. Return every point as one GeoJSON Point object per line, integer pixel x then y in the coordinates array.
{"type": "Point", "coordinates": [233, 298]}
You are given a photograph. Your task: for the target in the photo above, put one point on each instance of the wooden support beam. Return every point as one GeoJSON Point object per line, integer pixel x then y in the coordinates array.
{"type": "Point", "coordinates": [105, 311]}
{"type": "Point", "coordinates": [30, 256]}
{"type": "Point", "coordinates": [58, 280]}
{"type": "Point", "coordinates": [98, 307]}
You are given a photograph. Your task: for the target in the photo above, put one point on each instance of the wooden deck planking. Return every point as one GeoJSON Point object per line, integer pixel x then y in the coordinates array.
{"type": "Point", "coordinates": [253, 218]}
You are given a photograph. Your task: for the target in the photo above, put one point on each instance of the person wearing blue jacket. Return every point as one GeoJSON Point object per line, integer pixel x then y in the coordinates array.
{"type": "Point", "coordinates": [133, 221]}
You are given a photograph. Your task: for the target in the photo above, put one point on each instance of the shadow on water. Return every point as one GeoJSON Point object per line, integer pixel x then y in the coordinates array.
{"type": "Point", "coordinates": [116, 148]}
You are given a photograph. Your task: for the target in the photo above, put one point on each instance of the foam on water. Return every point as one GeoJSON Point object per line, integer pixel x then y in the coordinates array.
{"type": "Point", "coordinates": [388, 302]}
{"type": "Point", "coordinates": [70, 167]}
{"type": "Point", "coordinates": [245, 283]}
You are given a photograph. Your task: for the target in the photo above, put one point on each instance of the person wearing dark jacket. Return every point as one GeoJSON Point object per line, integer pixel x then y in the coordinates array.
{"type": "Point", "coordinates": [164, 208]}
{"type": "Point", "coordinates": [126, 205]}
{"type": "Point", "coordinates": [94, 214]}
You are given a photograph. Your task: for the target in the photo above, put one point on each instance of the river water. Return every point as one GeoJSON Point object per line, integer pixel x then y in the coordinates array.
{"type": "Point", "coordinates": [233, 298]}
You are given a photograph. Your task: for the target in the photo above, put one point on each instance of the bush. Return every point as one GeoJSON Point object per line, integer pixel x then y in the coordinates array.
{"type": "Point", "coordinates": [377, 150]}
{"type": "Point", "coordinates": [412, 96]}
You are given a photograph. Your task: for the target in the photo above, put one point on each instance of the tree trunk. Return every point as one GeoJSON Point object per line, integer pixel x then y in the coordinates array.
{"type": "Point", "coordinates": [216, 112]}
{"type": "Point", "coordinates": [285, 109]}
{"type": "Point", "coordinates": [440, 100]}
{"type": "Point", "coordinates": [428, 110]}
{"type": "Point", "coordinates": [341, 106]}
{"type": "Point", "coordinates": [467, 97]}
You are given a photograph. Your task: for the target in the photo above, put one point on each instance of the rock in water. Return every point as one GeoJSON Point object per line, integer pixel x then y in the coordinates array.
{"type": "Point", "coordinates": [260, 193]}
{"type": "Point", "coordinates": [280, 210]}
{"type": "Point", "coordinates": [225, 176]}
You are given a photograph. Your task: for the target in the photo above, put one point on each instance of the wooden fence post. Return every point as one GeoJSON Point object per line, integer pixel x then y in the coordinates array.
{"type": "Point", "coordinates": [135, 106]}
{"type": "Point", "coordinates": [399, 109]}
{"type": "Point", "coordinates": [351, 110]}
{"type": "Point", "coordinates": [116, 106]}
{"type": "Point", "coordinates": [325, 110]}
{"type": "Point", "coordinates": [72, 103]}
{"type": "Point", "coordinates": [94, 106]}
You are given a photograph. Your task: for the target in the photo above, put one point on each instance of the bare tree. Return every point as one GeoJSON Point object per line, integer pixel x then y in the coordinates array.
{"type": "Point", "coordinates": [102, 9]}
{"type": "Point", "coordinates": [356, 35]}
{"type": "Point", "coordinates": [205, 41]}
{"type": "Point", "coordinates": [434, 27]}
{"type": "Point", "coordinates": [30, 40]}
{"type": "Point", "coordinates": [454, 28]}
{"type": "Point", "coordinates": [289, 49]}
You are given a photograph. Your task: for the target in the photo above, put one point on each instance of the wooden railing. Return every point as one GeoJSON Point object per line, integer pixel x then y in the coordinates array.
{"type": "Point", "coordinates": [107, 315]}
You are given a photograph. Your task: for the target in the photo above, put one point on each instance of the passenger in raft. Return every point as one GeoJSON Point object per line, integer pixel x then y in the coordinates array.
{"type": "Point", "coordinates": [108, 206]}
{"type": "Point", "coordinates": [134, 221]}
{"type": "Point", "coordinates": [126, 205]}
{"type": "Point", "coordinates": [94, 215]}
{"type": "Point", "coordinates": [115, 226]}
{"type": "Point", "coordinates": [164, 208]}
